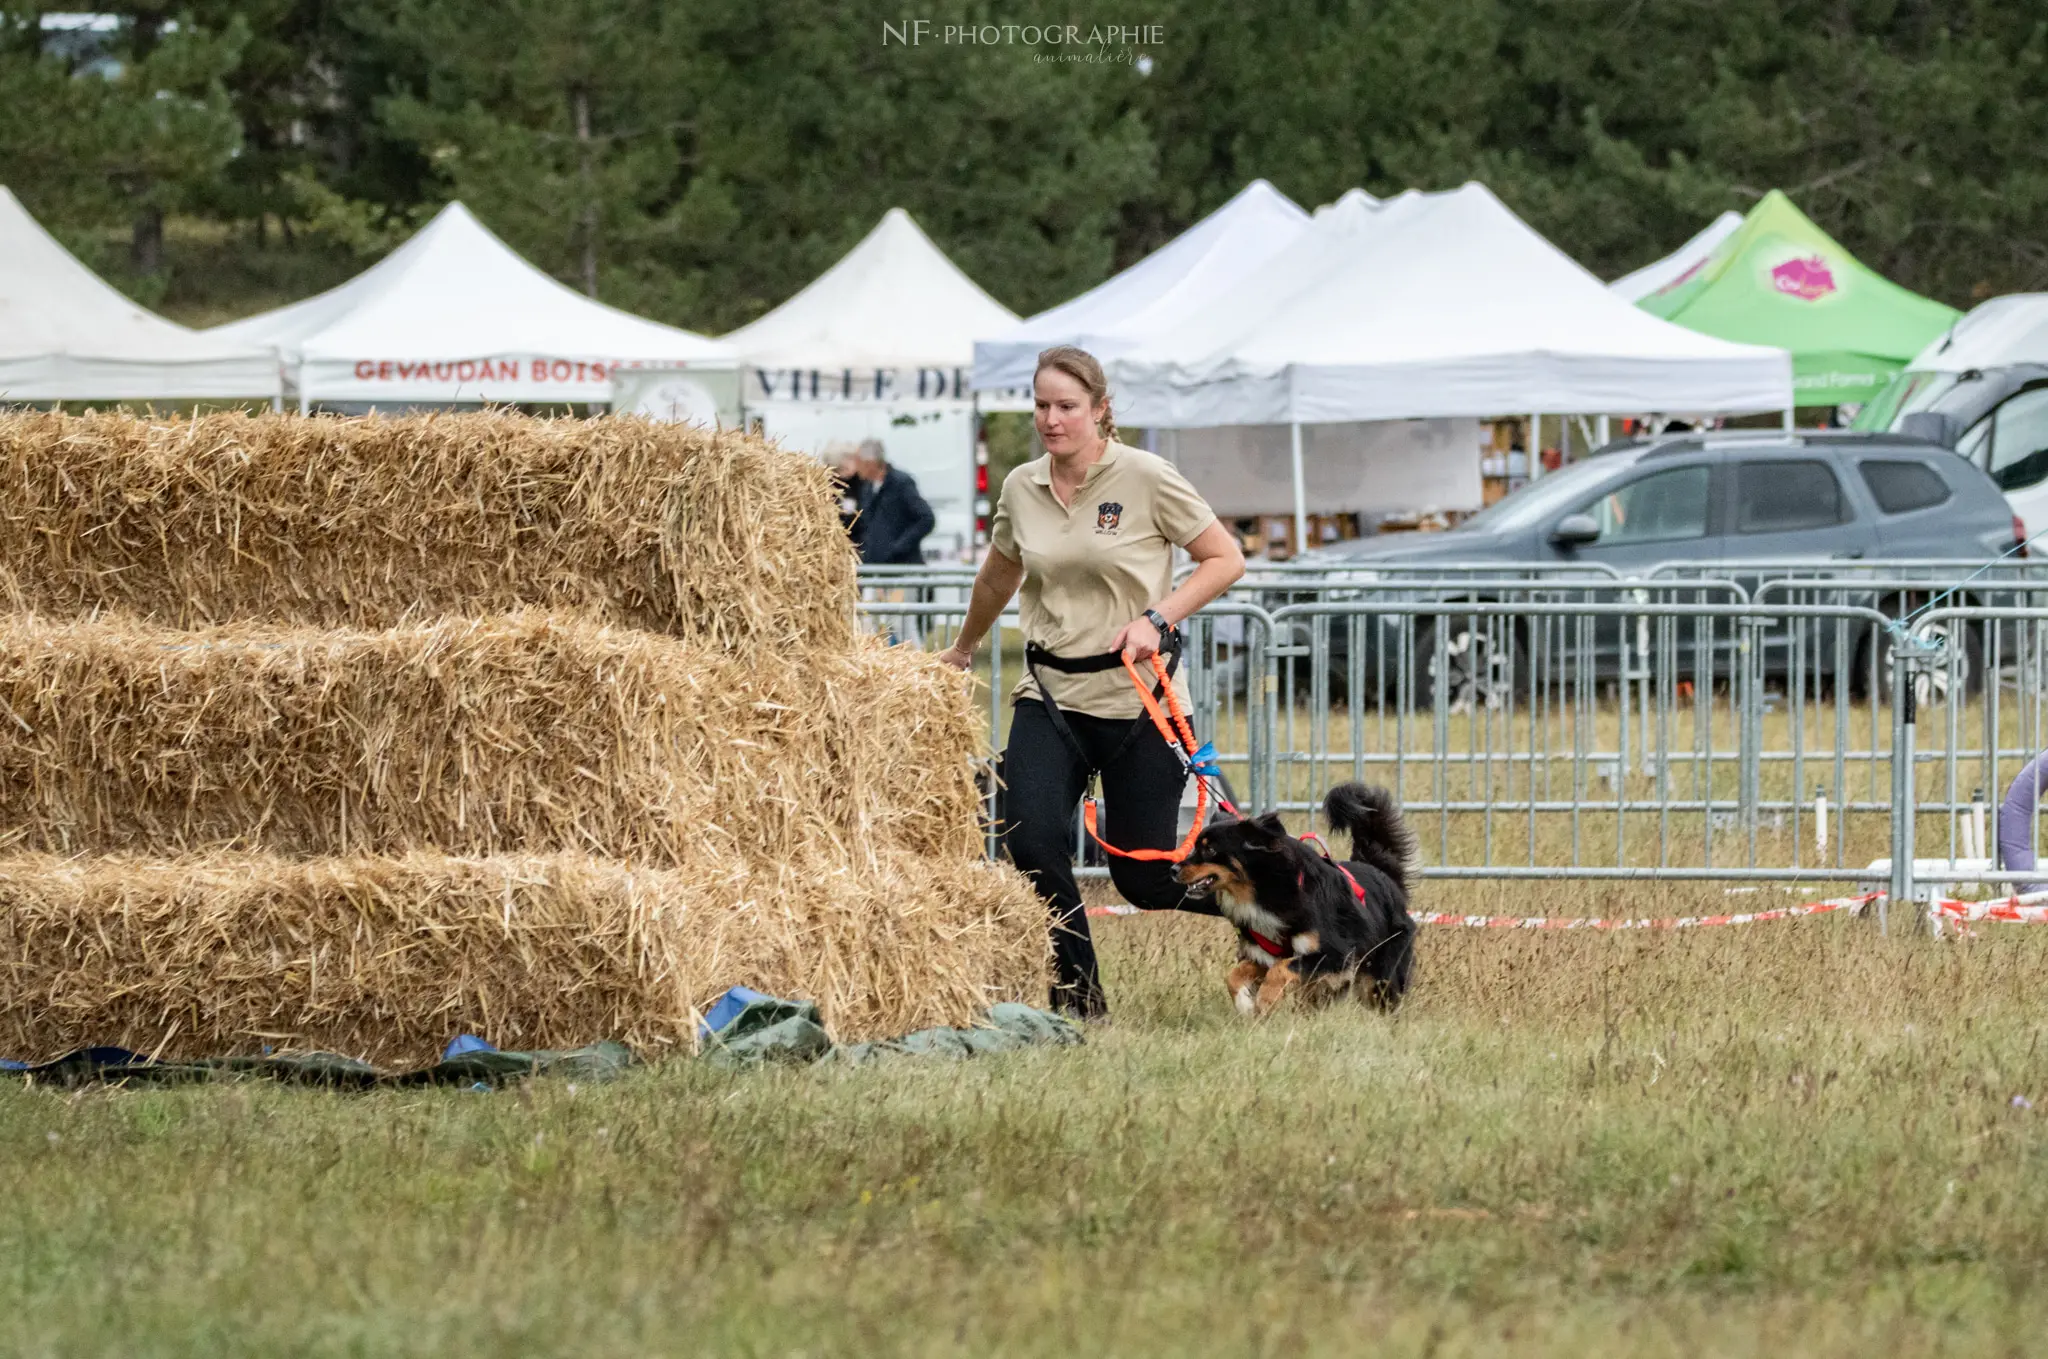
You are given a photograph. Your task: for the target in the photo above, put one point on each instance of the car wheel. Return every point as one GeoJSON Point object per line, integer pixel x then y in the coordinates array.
{"type": "Point", "coordinates": [1959, 674]}
{"type": "Point", "coordinates": [1477, 669]}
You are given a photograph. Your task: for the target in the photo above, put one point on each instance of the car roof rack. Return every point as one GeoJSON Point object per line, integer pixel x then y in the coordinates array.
{"type": "Point", "coordinates": [1778, 438]}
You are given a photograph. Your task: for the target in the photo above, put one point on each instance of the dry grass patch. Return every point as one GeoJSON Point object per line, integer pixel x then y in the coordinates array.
{"type": "Point", "coordinates": [1792, 1139]}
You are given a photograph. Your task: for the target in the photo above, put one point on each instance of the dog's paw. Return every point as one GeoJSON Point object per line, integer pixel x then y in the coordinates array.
{"type": "Point", "coordinates": [1243, 981]}
{"type": "Point", "coordinates": [1273, 989]}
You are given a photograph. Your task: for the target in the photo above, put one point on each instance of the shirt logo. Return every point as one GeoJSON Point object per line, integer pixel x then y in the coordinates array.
{"type": "Point", "coordinates": [1108, 516]}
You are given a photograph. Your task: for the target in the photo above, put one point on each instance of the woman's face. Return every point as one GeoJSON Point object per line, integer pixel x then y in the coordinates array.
{"type": "Point", "coordinates": [1067, 417]}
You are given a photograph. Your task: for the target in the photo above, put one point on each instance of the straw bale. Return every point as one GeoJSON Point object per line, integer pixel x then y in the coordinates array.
{"type": "Point", "coordinates": [516, 734]}
{"type": "Point", "coordinates": [385, 959]}
{"type": "Point", "coordinates": [717, 537]}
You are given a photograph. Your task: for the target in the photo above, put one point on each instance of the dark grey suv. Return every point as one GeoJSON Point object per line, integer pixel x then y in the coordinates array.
{"type": "Point", "coordinates": [1715, 499]}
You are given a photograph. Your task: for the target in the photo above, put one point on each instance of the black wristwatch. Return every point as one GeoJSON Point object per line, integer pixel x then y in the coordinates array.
{"type": "Point", "coordinates": [1158, 620]}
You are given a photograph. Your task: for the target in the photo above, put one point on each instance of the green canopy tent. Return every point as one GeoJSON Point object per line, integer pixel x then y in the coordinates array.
{"type": "Point", "coordinates": [1780, 280]}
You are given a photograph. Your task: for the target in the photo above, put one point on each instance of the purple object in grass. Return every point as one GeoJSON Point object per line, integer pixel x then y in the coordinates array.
{"type": "Point", "coordinates": [2016, 820]}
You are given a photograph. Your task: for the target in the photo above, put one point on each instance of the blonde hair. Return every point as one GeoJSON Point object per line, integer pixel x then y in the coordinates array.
{"type": "Point", "coordinates": [1084, 368]}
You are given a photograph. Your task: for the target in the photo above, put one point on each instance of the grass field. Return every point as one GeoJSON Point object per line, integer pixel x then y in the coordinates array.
{"type": "Point", "coordinates": [1789, 1138]}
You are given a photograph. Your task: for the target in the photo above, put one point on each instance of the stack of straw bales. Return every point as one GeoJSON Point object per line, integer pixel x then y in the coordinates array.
{"type": "Point", "coordinates": [352, 734]}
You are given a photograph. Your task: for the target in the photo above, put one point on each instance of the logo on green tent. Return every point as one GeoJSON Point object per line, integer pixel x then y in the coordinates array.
{"type": "Point", "coordinates": [1806, 277]}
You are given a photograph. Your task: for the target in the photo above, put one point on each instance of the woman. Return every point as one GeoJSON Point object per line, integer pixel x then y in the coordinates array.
{"type": "Point", "coordinates": [1089, 531]}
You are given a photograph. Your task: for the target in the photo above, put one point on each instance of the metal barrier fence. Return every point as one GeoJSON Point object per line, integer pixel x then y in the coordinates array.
{"type": "Point", "coordinates": [1224, 655]}
{"type": "Point", "coordinates": [1971, 693]}
{"type": "Point", "coordinates": [1698, 722]}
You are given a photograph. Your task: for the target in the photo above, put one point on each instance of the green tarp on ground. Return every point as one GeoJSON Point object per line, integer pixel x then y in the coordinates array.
{"type": "Point", "coordinates": [765, 1030]}
{"type": "Point", "coordinates": [1780, 280]}
{"type": "Point", "coordinates": [771, 1030]}
{"type": "Point", "coordinates": [598, 1061]}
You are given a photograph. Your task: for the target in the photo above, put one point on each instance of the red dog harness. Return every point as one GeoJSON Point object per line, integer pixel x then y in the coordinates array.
{"type": "Point", "coordinates": [1269, 945]}
{"type": "Point", "coordinates": [1358, 892]}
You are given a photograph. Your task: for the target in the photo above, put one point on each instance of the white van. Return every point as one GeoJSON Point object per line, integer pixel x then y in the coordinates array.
{"type": "Point", "coordinates": [1982, 389]}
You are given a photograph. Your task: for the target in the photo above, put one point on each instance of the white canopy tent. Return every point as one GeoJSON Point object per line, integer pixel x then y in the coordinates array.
{"type": "Point", "coordinates": [1446, 304]}
{"type": "Point", "coordinates": [1156, 296]}
{"type": "Point", "coordinates": [455, 315]}
{"type": "Point", "coordinates": [1659, 274]}
{"type": "Point", "coordinates": [1248, 255]}
{"type": "Point", "coordinates": [1264, 467]}
{"type": "Point", "coordinates": [1243, 466]}
{"type": "Point", "coordinates": [1149, 377]}
{"type": "Point", "coordinates": [880, 346]}
{"type": "Point", "coordinates": [1434, 305]}
{"type": "Point", "coordinates": [2009, 329]}
{"type": "Point", "coordinates": [893, 311]}
{"type": "Point", "coordinates": [65, 335]}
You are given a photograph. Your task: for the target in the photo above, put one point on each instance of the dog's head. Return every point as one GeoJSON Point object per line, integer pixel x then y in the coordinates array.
{"type": "Point", "coordinates": [1227, 857]}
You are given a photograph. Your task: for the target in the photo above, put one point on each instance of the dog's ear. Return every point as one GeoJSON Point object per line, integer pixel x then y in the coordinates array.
{"type": "Point", "coordinates": [1266, 832]}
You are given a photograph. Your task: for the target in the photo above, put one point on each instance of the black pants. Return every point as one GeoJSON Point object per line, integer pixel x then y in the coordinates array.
{"type": "Point", "coordinates": [1043, 779]}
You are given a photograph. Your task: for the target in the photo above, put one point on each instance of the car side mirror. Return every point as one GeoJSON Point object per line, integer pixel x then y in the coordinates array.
{"type": "Point", "coordinates": [1575, 530]}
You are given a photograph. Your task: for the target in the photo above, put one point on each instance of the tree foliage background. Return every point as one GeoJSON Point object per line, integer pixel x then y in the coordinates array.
{"type": "Point", "coordinates": [700, 161]}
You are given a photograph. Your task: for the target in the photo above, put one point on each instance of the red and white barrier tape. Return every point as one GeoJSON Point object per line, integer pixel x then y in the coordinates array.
{"type": "Point", "coordinates": [2028, 910]}
{"type": "Point", "coordinates": [1684, 922]}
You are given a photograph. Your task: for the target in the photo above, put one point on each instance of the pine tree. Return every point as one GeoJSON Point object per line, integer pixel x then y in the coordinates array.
{"type": "Point", "coordinates": [160, 128]}
{"type": "Point", "coordinates": [813, 123]}
{"type": "Point", "coordinates": [556, 121]}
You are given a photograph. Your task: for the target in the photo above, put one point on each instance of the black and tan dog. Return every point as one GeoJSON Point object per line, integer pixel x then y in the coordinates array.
{"type": "Point", "coordinates": [1305, 920]}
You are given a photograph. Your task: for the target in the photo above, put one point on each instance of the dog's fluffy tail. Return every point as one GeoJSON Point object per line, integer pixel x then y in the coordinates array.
{"type": "Point", "coordinates": [1378, 834]}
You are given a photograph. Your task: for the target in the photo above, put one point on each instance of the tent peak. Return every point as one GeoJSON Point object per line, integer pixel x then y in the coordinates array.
{"type": "Point", "coordinates": [1780, 279]}
{"type": "Point", "coordinates": [894, 301]}
{"type": "Point", "coordinates": [898, 224]}
{"type": "Point", "coordinates": [1161, 293]}
{"type": "Point", "coordinates": [1660, 273]}
{"type": "Point", "coordinates": [1261, 190]}
{"type": "Point", "coordinates": [67, 334]}
{"type": "Point", "coordinates": [1354, 207]}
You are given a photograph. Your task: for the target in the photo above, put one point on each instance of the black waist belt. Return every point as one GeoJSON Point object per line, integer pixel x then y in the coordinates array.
{"type": "Point", "coordinates": [1036, 656]}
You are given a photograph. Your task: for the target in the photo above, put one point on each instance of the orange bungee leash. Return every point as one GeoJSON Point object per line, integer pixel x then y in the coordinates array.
{"type": "Point", "coordinates": [1170, 722]}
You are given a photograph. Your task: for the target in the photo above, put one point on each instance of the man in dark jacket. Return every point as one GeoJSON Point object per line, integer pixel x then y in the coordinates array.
{"type": "Point", "coordinates": [846, 488]}
{"type": "Point", "coordinates": [894, 518]}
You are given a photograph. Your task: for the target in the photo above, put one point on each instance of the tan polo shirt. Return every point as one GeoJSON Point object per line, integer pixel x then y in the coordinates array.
{"type": "Point", "coordinates": [1092, 567]}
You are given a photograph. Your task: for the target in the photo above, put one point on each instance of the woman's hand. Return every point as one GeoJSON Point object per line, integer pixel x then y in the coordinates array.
{"type": "Point", "coordinates": [1139, 641]}
{"type": "Point", "coordinates": [958, 659]}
